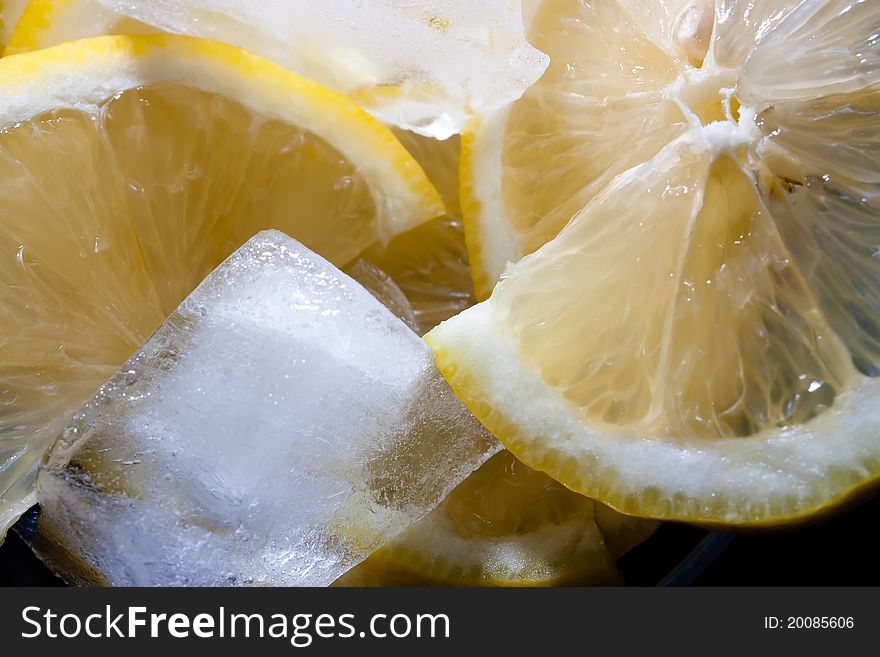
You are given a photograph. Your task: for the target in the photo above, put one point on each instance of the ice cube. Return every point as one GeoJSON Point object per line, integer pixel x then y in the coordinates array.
{"type": "Point", "coordinates": [424, 65]}
{"type": "Point", "coordinates": [277, 429]}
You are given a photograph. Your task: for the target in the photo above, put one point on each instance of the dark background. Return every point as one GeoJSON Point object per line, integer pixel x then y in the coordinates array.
{"type": "Point", "coordinates": [840, 551]}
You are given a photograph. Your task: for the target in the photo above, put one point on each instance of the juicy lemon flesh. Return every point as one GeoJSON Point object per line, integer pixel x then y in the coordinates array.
{"type": "Point", "coordinates": [429, 264]}
{"type": "Point", "coordinates": [825, 151]}
{"type": "Point", "coordinates": [506, 525]}
{"type": "Point", "coordinates": [688, 315]}
{"type": "Point", "coordinates": [730, 337]}
{"type": "Point", "coordinates": [749, 347]}
{"type": "Point", "coordinates": [587, 119]}
{"type": "Point", "coordinates": [818, 50]}
{"type": "Point", "coordinates": [109, 220]}
{"type": "Point", "coordinates": [625, 78]}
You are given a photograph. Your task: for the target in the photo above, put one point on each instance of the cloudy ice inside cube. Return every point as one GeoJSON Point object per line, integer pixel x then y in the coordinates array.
{"type": "Point", "coordinates": [277, 429]}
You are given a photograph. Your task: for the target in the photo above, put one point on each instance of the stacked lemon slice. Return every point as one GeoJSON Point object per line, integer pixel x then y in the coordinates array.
{"type": "Point", "coordinates": [700, 338]}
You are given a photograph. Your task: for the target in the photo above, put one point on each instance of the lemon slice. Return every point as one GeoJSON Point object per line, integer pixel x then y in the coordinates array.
{"type": "Point", "coordinates": [45, 23]}
{"type": "Point", "coordinates": [429, 262]}
{"type": "Point", "coordinates": [506, 525]}
{"type": "Point", "coordinates": [702, 340]}
{"type": "Point", "coordinates": [130, 167]}
{"type": "Point", "coordinates": [424, 66]}
{"type": "Point", "coordinates": [10, 11]}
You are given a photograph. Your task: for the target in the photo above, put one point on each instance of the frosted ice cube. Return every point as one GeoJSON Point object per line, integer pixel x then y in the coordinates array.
{"type": "Point", "coordinates": [277, 429]}
{"type": "Point", "coordinates": [424, 65]}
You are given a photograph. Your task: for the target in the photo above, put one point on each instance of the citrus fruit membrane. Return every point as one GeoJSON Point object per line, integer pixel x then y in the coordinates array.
{"type": "Point", "coordinates": [278, 428]}
{"type": "Point", "coordinates": [699, 339]}
{"type": "Point", "coordinates": [130, 167]}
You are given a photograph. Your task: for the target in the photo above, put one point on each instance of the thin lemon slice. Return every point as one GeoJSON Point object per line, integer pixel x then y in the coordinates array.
{"type": "Point", "coordinates": [702, 340]}
{"type": "Point", "coordinates": [425, 66]}
{"type": "Point", "coordinates": [506, 525]}
{"type": "Point", "coordinates": [129, 168]}
{"type": "Point", "coordinates": [46, 23]}
{"type": "Point", "coordinates": [664, 356]}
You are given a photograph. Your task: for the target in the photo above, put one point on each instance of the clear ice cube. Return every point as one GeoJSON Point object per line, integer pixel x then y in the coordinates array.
{"type": "Point", "coordinates": [386, 291]}
{"type": "Point", "coordinates": [424, 65]}
{"type": "Point", "coordinates": [277, 429]}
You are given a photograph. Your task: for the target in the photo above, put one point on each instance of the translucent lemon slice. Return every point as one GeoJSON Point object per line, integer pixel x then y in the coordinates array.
{"type": "Point", "coordinates": [701, 340]}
